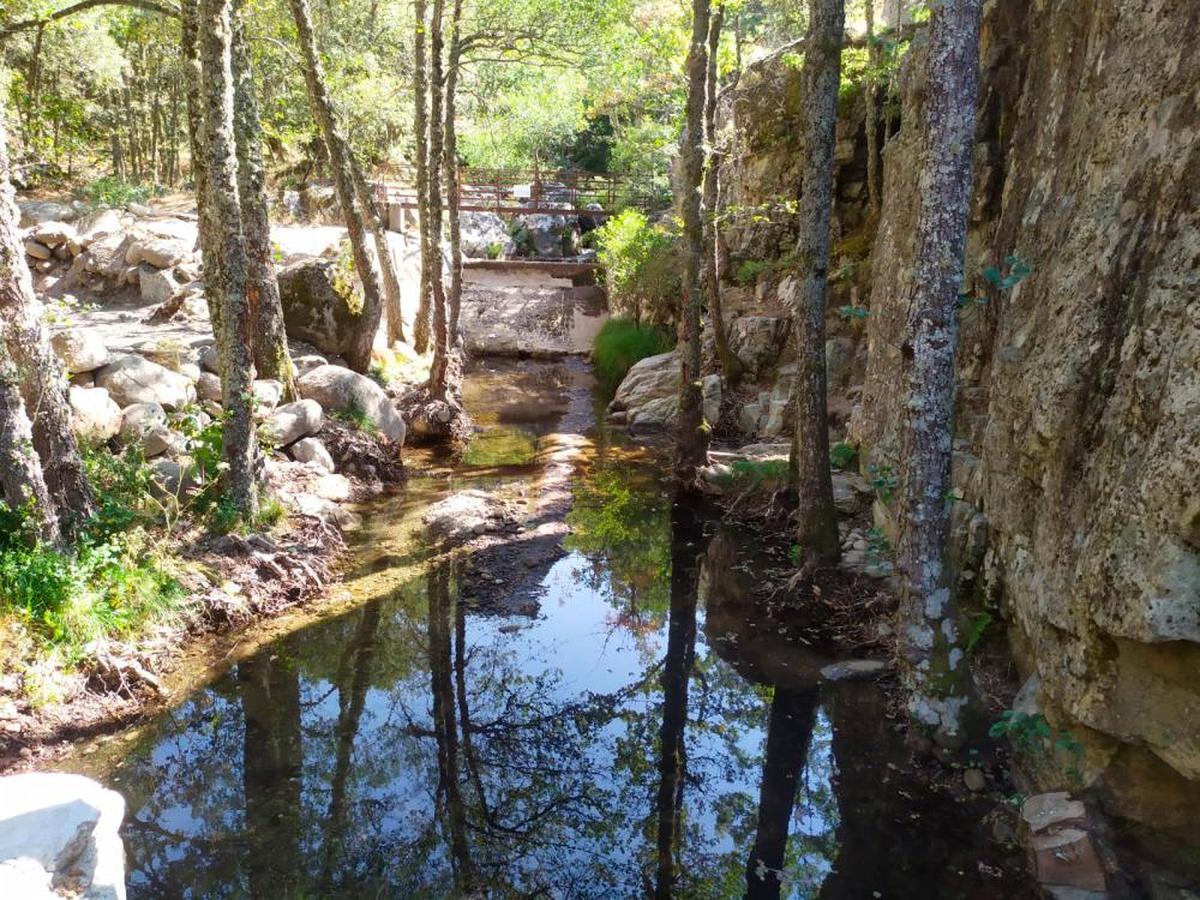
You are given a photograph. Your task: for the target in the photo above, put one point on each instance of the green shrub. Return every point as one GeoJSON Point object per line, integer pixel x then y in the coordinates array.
{"type": "Point", "coordinates": [757, 472]}
{"type": "Point", "coordinates": [843, 456]}
{"type": "Point", "coordinates": [642, 267]}
{"type": "Point", "coordinates": [113, 192]}
{"type": "Point", "coordinates": [620, 344]}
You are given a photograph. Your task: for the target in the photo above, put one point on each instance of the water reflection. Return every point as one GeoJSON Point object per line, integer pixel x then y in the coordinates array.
{"type": "Point", "coordinates": [641, 737]}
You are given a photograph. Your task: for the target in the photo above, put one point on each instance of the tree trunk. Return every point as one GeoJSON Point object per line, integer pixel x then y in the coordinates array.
{"type": "Point", "coordinates": [393, 311]}
{"type": "Point", "coordinates": [225, 260]}
{"type": "Point", "coordinates": [692, 450]}
{"type": "Point", "coordinates": [441, 344]}
{"type": "Point", "coordinates": [189, 28]}
{"type": "Point", "coordinates": [21, 481]}
{"type": "Point", "coordinates": [43, 388]}
{"type": "Point", "coordinates": [341, 159]}
{"type": "Point", "coordinates": [421, 127]}
{"type": "Point", "coordinates": [932, 655]}
{"type": "Point", "coordinates": [271, 357]}
{"type": "Point", "coordinates": [816, 533]}
{"type": "Point", "coordinates": [454, 300]}
{"type": "Point", "coordinates": [872, 88]}
{"type": "Point", "coordinates": [731, 366]}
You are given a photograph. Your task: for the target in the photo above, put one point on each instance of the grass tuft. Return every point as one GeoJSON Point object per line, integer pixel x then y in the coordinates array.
{"type": "Point", "coordinates": [623, 342]}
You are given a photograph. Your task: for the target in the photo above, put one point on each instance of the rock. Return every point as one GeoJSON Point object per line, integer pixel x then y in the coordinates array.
{"type": "Point", "coordinates": [1044, 810]}
{"type": "Point", "coordinates": [139, 418]}
{"type": "Point", "coordinates": [267, 394]}
{"type": "Point", "coordinates": [134, 379]}
{"type": "Point", "coordinates": [156, 285]}
{"type": "Point", "coordinates": [305, 364]}
{"type": "Point", "coordinates": [854, 669]}
{"type": "Point", "coordinates": [210, 359]}
{"type": "Point", "coordinates": [327, 511]}
{"type": "Point", "coordinates": [36, 212]}
{"type": "Point", "coordinates": [462, 515]}
{"type": "Point", "coordinates": [974, 780]}
{"type": "Point", "coordinates": [106, 256]}
{"type": "Point", "coordinates": [83, 379]}
{"type": "Point", "coordinates": [321, 304]}
{"type": "Point", "coordinates": [481, 233]}
{"type": "Point", "coordinates": [649, 394]}
{"type": "Point", "coordinates": [1066, 858]}
{"type": "Point", "coordinates": [190, 371]}
{"type": "Point", "coordinates": [311, 451]}
{"type": "Point", "coordinates": [94, 416]}
{"type": "Point", "coordinates": [95, 225]}
{"type": "Point", "coordinates": [758, 341]}
{"type": "Point", "coordinates": [53, 234]}
{"type": "Point", "coordinates": [846, 498]}
{"type": "Point", "coordinates": [293, 421]}
{"type": "Point", "coordinates": [173, 476]}
{"type": "Point", "coordinates": [208, 387]}
{"type": "Point", "coordinates": [59, 835]}
{"type": "Point", "coordinates": [79, 350]}
{"type": "Point", "coordinates": [332, 487]}
{"type": "Point", "coordinates": [159, 439]}
{"type": "Point", "coordinates": [36, 250]}
{"type": "Point", "coordinates": [162, 253]}
{"type": "Point", "coordinates": [341, 390]}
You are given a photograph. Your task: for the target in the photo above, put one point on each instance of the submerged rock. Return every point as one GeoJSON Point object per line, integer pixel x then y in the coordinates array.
{"type": "Point", "coordinates": [59, 836]}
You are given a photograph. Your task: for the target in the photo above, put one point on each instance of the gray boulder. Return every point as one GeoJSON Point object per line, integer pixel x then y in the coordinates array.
{"type": "Point", "coordinates": [341, 390]}
{"type": "Point", "coordinates": [59, 837]}
{"type": "Point", "coordinates": [35, 212]}
{"type": "Point", "coordinates": [94, 416]}
{"type": "Point", "coordinates": [482, 231]}
{"type": "Point", "coordinates": [160, 252]}
{"type": "Point", "coordinates": [305, 364]}
{"type": "Point", "coordinates": [208, 387]}
{"type": "Point", "coordinates": [321, 304]}
{"type": "Point", "coordinates": [759, 341]}
{"type": "Point", "coordinates": [293, 421]}
{"type": "Point", "coordinates": [37, 250]}
{"type": "Point", "coordinates": [138, 419]}
{"type": "Point", "coordinates": [267, 394]}
{"type": "Point", "coordinates": [79, 350]}
{"type": "Point", "coordinates": [54, 234]}
{"type": "Point", "coordinates": [648, 398]}
{"type": "Point", "coordinates": [312, 451]}
{"type": "Point", "coordinates": [134, 379]}
{"type": "Point", "coordinates": [156, 285]}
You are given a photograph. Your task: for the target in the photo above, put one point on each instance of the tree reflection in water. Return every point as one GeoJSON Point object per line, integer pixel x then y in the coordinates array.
{"type": "Point", "coordinates": [411, 749]}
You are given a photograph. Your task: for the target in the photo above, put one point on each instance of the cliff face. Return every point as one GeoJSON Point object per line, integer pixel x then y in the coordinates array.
{"type": "Point", "coordinates": [1077, 440]}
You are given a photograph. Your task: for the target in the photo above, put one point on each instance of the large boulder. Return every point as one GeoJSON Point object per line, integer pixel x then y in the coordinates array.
{"type": "Point", "coordinates": [160, 252]}
{"type": "Point", "coordinates": [59, 837]}
{"type": "Point", "coordinates": [134, 379]}
{"type": "Point", "coordinates": [481, 233]}
{"type": "Point", "coordinates": [156, 285]}
{"type": "Point", "coordinates": [79, 350]}
{"type": "Point", "coordinates": [759, 341]}
{"type": "Point", "coordinates": [341, 390]}
{"type": "Point", "coordinates": [321, 304]}
{"type": "Point", "coordinates": [94, 416]}
{"type": "Point", "coordinates": [293, 421]}
{"type": "Point", "coordinates": [54, 234]}
{"type": "Point", "coordinates": [35, 212]}
{"type": "Point", "coordinates": [648, 398]}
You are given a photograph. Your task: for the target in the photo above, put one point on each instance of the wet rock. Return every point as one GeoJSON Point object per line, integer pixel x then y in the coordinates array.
{"type": "Point", "coordinates": [854, 669]}
{"type": "Point", "coordinates": [94, 416]}
{"type": "Point", "coordinates": [134, 379]}
{"type": "Point", "coordinates": [341, 390]}
{"type": "Point", "coordinates": [311, 451]}
{"type": "Point", "coordinates": [293, 421]}
{"type": "Point", "coordinates": [79, 350]}
{"type": "Point", "coordinates": [59, 836]}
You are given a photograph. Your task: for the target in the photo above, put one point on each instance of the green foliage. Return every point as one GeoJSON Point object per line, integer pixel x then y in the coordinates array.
{"type": "Point", "coordinates": [884, 480]}
{"type": "Point", "coordinates": [1031, 733]}
{"type": "Point", "coordinates": [879, 548]}
{"type": "Point", "coordinates": [121, 483]}
{"type": "Point", "coordinates": [641, 265]}
{"type": "Point", "coordinates": [843, 455]}
{"type": "Point", "coordinates": [976, 629]}
{"type": "Point", "coordinates": [747, 272]}
{"type": "Point", "coordinates": [623, 342]}
{"type": "Point", "coordinates": [355, 416]}
{"type": "Point", "coordinates": [853, 312]}
{"type": "Point", "coordinates": [495, 250]}
{"type": "Point", "coordinates": [111, 192]}
{"type": "Point", "coordinates": [754, 473]}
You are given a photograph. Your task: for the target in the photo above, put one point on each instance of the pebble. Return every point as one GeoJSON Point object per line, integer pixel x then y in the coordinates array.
{"type": "Point", "coordinates": [974, 780]}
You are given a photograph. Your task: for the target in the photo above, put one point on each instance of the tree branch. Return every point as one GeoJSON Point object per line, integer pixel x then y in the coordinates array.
{"type": "Point", "coordinates": [84, 6]}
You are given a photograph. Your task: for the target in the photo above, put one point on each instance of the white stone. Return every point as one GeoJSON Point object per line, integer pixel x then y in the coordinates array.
{"type": "Point", "coordinates": [138, 418]}
{"type": "Point", "coordinates": [267, 394]}
{"type": "Point", "coordinates": [134, 379]}
{"type": "Point", "coordinates": [162, 253]}
{"type": "Point", "coordinates": [336, 388]}
{"type": "Point", "coordinates": [94, 416]}
{"type": "Point", "coordinates": [156, 285]}
{"type": "Point", "coordinates": [79, 350]}
{"type": "Point", "coordinates": [293, 421]}
{"type": "Point", "coordinates": [59, 833]}
{"type": "Point", "coordinates": [311, 451]}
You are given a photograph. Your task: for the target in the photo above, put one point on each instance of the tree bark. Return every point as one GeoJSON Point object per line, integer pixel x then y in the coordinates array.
{"type": "Point", "coordinates": [441, 344]}
{"type": "Point", "coordinates": [43, 388]}
{"type": "Point", "coordinates": [421, 127]}
{"type": "Point", "coordinates": [225, 261]}
{"type": "Point", "coordinates": [21, 481]}
{"type": "Point", "coordinates": [731, 366]}
{"type": "Point", "coordinates": [393, 311]}
{"type": "Point", "coordinates": [454, 299]}
{"type": "Point", "coordinates": [358, 356]}
{"type": "Point", "coordinates": [189, 28]}
{"type": "Point", "coordinates": [271, 357]}
{"type": "Point", "coordinates": [692, 438]}
{"type": "Point", "coordinates": [816, 533]}
{"type": "Point", "coordinates": [932, 654]}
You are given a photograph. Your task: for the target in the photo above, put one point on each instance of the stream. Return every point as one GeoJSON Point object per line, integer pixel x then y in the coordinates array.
{"type": "Point", "coordinates": [623, 730]}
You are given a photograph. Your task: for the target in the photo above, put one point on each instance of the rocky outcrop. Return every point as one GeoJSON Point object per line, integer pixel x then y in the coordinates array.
{"type": "Point", "coordinates": [321, 304]}
{"type": "Point", "coordinates": [59, 837]}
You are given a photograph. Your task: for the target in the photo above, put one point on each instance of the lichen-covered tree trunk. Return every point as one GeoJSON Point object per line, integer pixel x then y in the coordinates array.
{"type": "Point", "coordinates": [43, 387]}
{"type": "Point", "coordinates": [393, 311]}
{"type": "Point", "coordinates": [21, 481]}
{"type": "Point", "coordinates": [441, 343]}
{"type": "Point", "coordinates": [692, 438]}
{"type": "Point", "coordinates": [816, 532]}
{"type": "Point", "coordinates": [454, 298]}
{"type": "Point", "coordinates": [358, 356]}
{"type": "Point", "coordinates": [189, 14]}
{"type": "Point", "coordinates": [872, 111]}
{"type": "Point", "coordinates": [731, 366]}
{"type": "Point", "coordinates": [226, 263]}
{"type": "Point", "coordinates": [932, 656]}
{"type": "Point", "coordinates": [271, 357]}
{"type": "Point", "coordinates": [421, 130]}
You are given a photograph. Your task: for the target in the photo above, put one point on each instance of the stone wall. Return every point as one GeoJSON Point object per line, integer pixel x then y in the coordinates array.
{"type": "Point", "coordinates": [1078, 432]}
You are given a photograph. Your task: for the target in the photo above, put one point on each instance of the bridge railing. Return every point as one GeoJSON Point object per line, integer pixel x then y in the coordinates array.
{"type": "Point", "coordinates": [523, 191]}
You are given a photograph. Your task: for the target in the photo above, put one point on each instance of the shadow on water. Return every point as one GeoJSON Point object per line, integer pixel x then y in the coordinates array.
{"type": "Point", "coordinates": [638, 737]}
